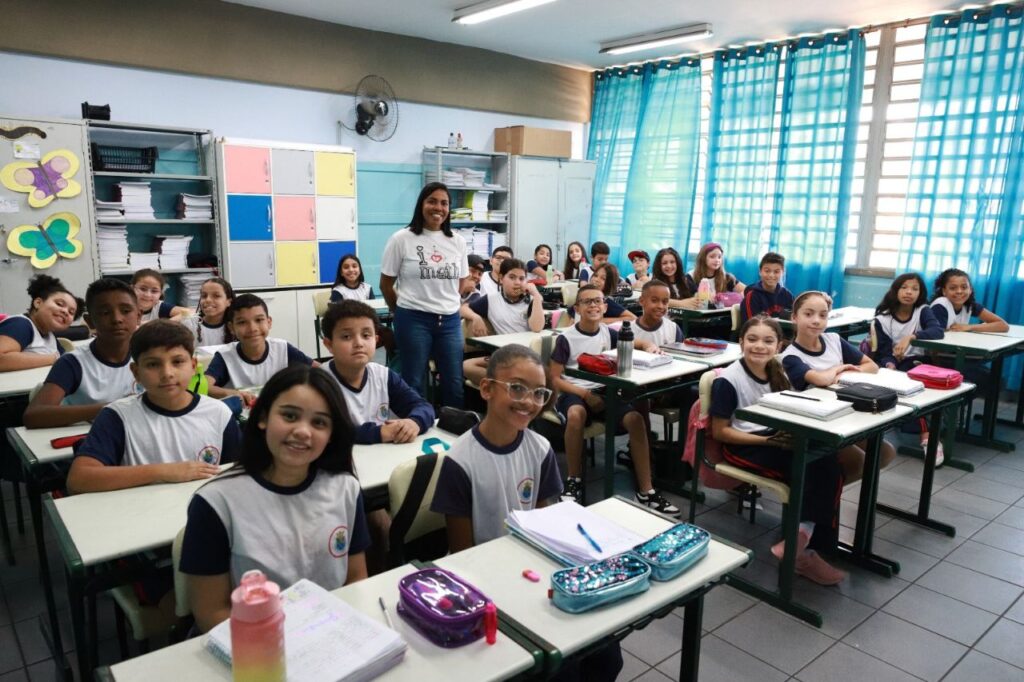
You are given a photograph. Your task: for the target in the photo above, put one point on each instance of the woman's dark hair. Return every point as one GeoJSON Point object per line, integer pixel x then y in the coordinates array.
{"type": "Point", "coordinates": [611, 278]}
{"type": "Point", "coordinates": [572, 270]}
{"type": "Point", "coordinates": [337, 455]}
{"type": "Point", "coordinates": [676, 283]}
{"type": "Point", "coordinates": [338, 279]}
{"type": "Point", "coordinates": [943, 279]}
{"type": "Point", "coordinates": [890, 302]}
{"type": "Point", "coordinates": [44, 286]}
{"type": "Point", "coordinates": [417, 223]}
{"type": "Point", "coordinates": [777, 378]}
{"type": "Point", "coordinates": [229, 292]}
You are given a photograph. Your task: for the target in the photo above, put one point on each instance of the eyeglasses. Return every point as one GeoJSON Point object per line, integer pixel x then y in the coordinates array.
{"type": "Point", "coordinates": [519, 392]}
{"type": "Point", "coordinates": [589, 302]}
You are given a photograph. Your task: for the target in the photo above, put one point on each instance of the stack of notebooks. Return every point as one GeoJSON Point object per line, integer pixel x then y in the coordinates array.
{"type": "Point", "coordinates": [498, 214]}
{"type": "Point", "coordinates": [194, 207]}
{"type": "Point", "coordinates": [109, 210]}
{"type": "Point", "coordinates": [555, 530]}
{"type": "Point", "coordinates": [691, 349]}
{"type": "Point", "coordinates": [190, 286]}
{"type": "Point", "coordinates": [806, 406]}
{"type": "Point", "coordinates": [642, 359]}
{"type": "Point", "coordinates": [449, 176]}
{"type": "Point", "coordinates": [471, 177]}
{"type": "Point", "coordinates": [145, 259]}
{"type": "Point", "coordinates": [325, 639]}
{"type": "Point", "coordinates": [479, 204]}
{"type": "Point", "coordinates": [136, 199]}
{"type": "Point", "coordinates": [897, 381]}
{"type": "Point", "coordinates": [112, 243]}
{"type": "Point", "coordinates": [173, 251]}
{"type": "Point", "coordinates": [462, 213]}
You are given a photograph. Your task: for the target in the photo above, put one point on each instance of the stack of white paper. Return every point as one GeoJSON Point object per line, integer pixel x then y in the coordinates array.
{"type": "Point", "coordinates": [173, 251]}
{"type": "Point", "coordinates": [190, 286]}
{"type": "Point", "coordinates": [498, 214]}
{"type": "Point", "coordinates": [137, 200]}
{"type": "Point", "coordinates": [642, 359]}
{"type": "Point", "coordinates": [145, 259]}
{"type": "Point", "coordinates": [448, 176]}
{"type": "Point", "coordinates": [325, 639]}
{"type": "Point", "coordinates": [195, 207]}
{"type": "Point", "coordinates": [556, 531]}
{"type": "Point", "coordinates": [107, 210]}
{"type": "Point", "coordinates": [806, 406]}
{"type": "Point", "coordinates": [112, 243]}
{"type": "Point", "coordinates": [479, 202]}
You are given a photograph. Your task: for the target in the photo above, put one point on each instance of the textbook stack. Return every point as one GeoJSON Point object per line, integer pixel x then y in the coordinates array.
{"type": "Point", "coordinates": [173, 251]}
{"type": "Point", "coordinates": [136, 199]}
{"type": "Point", "coordinates": [479, 202]}
{"type": "Point", "coordinates": [109, 210]}
{"type": "Point", "coordinates": [195, 207]}
{"type": "Point", "coordinates": [145, 259]}
{"type": "Point", "coordinates": [112, 243]}
{"type": "Point", "coordinates": [190, 286]}
{"type": "Point", "coordinates": [449, 176]}
{"type": "Point", "coordinates": [482, 242]}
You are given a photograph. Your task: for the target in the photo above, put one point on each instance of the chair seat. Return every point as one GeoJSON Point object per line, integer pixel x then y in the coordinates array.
{"type": "Point", "coordinates": [146, 621]}
{"type": "Point", "coordinates": [671, 415]}
{"type": "Point", "coordinates": [778, 488]}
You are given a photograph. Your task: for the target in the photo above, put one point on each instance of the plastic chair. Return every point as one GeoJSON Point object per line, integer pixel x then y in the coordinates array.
{"type": "Point", "coordinates": [734, 314]}
{"type": "Point", "coordinates": [414, 528]}
{"type": "Point", "coordinates": [321, 299]}
{"type": "Point", "coordinates": [66, 344]}
{"type": "Point", "coordinates": [727, 474]}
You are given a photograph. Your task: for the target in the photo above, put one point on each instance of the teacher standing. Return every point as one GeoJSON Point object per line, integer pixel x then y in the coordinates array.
{"type": "Point", "coordinates": [421, 273]}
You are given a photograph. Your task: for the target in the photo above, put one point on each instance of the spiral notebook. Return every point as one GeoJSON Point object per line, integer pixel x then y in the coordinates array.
{"type": "Point", "coordinates": [325, 639]}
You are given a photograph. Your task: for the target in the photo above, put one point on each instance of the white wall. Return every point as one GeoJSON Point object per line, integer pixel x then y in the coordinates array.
{"type": "Point", "coordinates": [41, 86]}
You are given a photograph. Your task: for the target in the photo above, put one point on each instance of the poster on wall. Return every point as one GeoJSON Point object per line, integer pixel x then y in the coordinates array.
{"type": "Point", "coordinates": [45, 179]}
{"type": "Point", "coordinates": [44, 243]}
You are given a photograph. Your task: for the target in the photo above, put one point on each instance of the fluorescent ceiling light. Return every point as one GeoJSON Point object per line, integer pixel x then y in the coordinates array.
{"type": "Point", "coordinates": [649, 41]}
{"type": "Point", "coordinates": [492, 9]}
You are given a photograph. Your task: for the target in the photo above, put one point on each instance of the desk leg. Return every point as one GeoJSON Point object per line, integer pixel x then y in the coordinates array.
{"type": "Point", "coordinates": [76, 599]}
{"type": "Point", "coordinates": [5, 532]}
{"type": "Point", "coordinates": [52, 637]}
{"type": "Point", "coordinates": [988, 439]}
{"type": "Point", "coordinates": [860, 553]}
{"type": "Point", "coordinates": [791, 525]}
{"type": "Point", "coordinates": [611, 425]}
{"type": "Point", "coordinates": [689, 660]}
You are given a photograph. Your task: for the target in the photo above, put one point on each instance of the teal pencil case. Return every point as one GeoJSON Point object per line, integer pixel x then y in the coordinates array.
{"type": "Point", "coordinates": [582, 588]}
{"type": "Point", "coordinates": [672, 552]}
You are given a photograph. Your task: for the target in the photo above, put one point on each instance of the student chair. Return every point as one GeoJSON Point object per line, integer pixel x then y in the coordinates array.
{"type": "Point", "coordinates": [146, 621]}
{"type": "Point", "coordinates": [66, 344]}
{"type": "Point", "coordinates": [416, 532]}
{"type": "Point", "coordinates": [734, 314]}
{"type": "Point", "coordinates": [321, 299]}
{"type": "Point", "coordinates": [726, 475]}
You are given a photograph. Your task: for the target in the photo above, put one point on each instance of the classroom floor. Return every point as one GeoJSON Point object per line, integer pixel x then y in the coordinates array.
{"type": "Point", "coordinates": [955, 612]}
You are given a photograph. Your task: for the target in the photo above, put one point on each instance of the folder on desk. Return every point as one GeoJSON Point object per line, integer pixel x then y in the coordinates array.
{"type": "Point", "coordinates": [814, 408]}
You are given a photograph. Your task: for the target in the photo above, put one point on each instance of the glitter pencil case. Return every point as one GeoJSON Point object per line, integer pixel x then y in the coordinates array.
{"type": "Point", "coordinates": [673, 551]}
{"type": "Point", "coordinates": [442, 606]}
{"type": "Point", "coordinates": [586, 587]}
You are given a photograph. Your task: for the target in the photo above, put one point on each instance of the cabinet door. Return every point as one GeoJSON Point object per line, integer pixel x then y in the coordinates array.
{"type": "Point", "coordinates": [336, 218]}
{"type": "Point", "coordinates": [281, 308]}
{"type": "Point", "coordinates": [296, 263]}
{"type": "Point", "coordinates": [252, 265]}
{"type": "Point", "coordinates": [335, 174]}
{"type": "Point", "coordinates": [306, 316]}
{"type": "Point", "coordinates": [535, 207]}
{"type": "Point", "coordinates": [294, 218]}
{"type": "Point", "coordinates": [575, 202]}
{"type": "Point", "coordinates": [292, 171]}
{"type": "Point", "coordinates": [250, 217]}
{"type": "Point", "coordinates": [246, 169]}
{"type": "Point", "coordinates": [330, 256]}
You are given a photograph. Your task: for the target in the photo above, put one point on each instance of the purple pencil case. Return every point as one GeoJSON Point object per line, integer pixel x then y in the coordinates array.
{"type": "Point", "coordinates": [442, 606]}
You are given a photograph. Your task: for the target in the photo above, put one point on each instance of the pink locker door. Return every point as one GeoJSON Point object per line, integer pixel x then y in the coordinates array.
{"type": "Point", "coordinates": [294, 218]}
{"type": "Point", "coordinates": [246, 169]}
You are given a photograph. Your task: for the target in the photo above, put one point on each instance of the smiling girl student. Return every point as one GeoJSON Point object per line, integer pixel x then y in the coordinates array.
{"type": "Point", "coordinates": [902, 316]}
{"type": "Point", "coordinates": [954, 305]}
{"type": "Point", "coordinates": [575, 260]}
{"type": "Point", "coordinates": [766, 451]}
{"type": "Point", "coordinates": [538, 267]}
{"type": "Point", "coordinates": [29, 340]}
{"type": "Point", "coordinates": [349, 283]}
{"type": "Point", "coordinates": [817, 358]}
{"type": "Point", "coordinates": [291, 507]}
{"type": "Point", "coordinates": [711, 266]}
{"type": "Point", "coordinates": [209, 324]}
{"type": "Point", "coordinates": [149, 288]}
{"type": "Point", "coordinates": [668, 268]}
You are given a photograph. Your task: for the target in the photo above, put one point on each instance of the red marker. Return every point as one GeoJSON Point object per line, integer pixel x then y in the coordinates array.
{"type": "Point", "coordinates": [491, 622]}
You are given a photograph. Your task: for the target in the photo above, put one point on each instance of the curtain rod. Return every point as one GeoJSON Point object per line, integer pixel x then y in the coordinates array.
{"type": "Point", "coordinates": [902, 23]}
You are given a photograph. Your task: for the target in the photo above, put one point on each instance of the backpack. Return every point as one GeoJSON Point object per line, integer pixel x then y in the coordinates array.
{"type": "Point", "coordinates": [712, 449]}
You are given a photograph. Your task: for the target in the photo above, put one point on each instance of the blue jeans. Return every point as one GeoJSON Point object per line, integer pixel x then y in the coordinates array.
{"type": "Point", "coordinates": [422, 336]}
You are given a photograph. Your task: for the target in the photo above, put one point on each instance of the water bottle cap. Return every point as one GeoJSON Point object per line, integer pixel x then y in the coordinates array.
{"type": "Point", "coordinates": [255, 599]}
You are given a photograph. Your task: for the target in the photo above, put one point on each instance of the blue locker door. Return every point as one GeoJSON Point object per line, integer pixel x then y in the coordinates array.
{"type": "Point", "coordinates": [250, 218]}
{"type": "Point", "coordinates": [330, 256]}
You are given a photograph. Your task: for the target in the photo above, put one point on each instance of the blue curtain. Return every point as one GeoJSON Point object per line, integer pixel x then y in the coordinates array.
{"type": "Point", "coordinates": [645, 137]}
{"type": "Point", "coordinates": [738, 197]}
{"type": "Point", "coordinates": [821, 98]}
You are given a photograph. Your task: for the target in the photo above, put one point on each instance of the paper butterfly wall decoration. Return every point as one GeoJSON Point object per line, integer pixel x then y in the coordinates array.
{"type": "Point", "coordinates": [44, 243]}
{"type": "Point", "coordinates": [44, 180]}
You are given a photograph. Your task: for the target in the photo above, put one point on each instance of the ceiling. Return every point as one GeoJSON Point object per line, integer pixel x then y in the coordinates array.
{"type": "Point", "coordinates": [569, 32]}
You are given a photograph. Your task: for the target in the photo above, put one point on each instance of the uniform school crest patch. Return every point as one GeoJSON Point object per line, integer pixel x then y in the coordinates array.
{"type": "Point", "coordinates": [338, 543]}
{"type": "Point", "coordinates": [525, 490]}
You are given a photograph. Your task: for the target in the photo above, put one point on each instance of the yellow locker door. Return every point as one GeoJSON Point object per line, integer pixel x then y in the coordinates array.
{"type": "Point", "coordinates": [335, 174]}
{"type": "Point", "coordinates": [296, 263]}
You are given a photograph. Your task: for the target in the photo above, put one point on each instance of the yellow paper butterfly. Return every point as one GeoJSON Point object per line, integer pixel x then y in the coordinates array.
{"type": "Point", "coordinates": [44, 243]}
{"type": "Point", "coordinates": [44, 180]}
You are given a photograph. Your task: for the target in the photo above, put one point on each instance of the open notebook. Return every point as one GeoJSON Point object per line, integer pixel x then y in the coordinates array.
{"type": "Point", "coordinates": [642, 359]}
{"type": "Point", "coordinates": [897, 381]}
{"type": "Point", "coordinates": [325, 639]}
{"type": "Point", "coordinates": [806, 406]}
{"type": "Point", "coordinates": [554, 531]}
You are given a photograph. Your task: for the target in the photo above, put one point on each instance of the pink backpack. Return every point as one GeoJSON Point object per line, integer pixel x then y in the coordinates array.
{"type": "Point", "coordinates": [712, 449]}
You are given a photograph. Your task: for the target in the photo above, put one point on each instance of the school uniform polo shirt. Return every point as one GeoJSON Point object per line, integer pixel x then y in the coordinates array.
{"type": "Point", "coordinates": [87, 379]}
{"type": "Point", "coordinates": [231, 369]}
{"type": "Point", "coordinates": [835, 351]}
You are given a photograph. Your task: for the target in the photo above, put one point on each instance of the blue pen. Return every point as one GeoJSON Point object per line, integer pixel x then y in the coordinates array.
{"type": "Point", "coordinates": [584, 533]}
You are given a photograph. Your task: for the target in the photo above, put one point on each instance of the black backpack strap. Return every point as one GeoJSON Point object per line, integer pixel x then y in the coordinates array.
{"type": "Point", "coordinates": [406, 514]}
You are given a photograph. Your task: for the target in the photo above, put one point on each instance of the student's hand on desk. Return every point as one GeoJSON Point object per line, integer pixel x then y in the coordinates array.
{"type": "Point", "coordinates": [399, 431]}
{"type": "Point", "coordinates": [959, 327]}
{"type": "Point", "coordinates": [900, 349]}
{"type": "Point", "coordinates": [180, 472]}
{"type": "Point", "coordinates": [595, 402]}
{"type": "Point", "coordinates": [845, 368]}
{"type": "Point", "coordinates": [478, 327]}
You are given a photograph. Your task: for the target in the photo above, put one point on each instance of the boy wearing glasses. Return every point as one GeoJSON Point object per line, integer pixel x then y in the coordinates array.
{"type": "Point", "coordinates": [383, 407]}
{"type": "Point", "coordinates": [500, 464]}
{"type": "Point", "coordinates": [578, 401]}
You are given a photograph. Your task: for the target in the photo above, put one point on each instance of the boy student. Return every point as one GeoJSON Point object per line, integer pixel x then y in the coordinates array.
{"type": "Point", "coordinates": [166, 434]}
{"type": "Point", "coordinates": [382, 406]}
{"type": "Point", "coordinates": [577, 401]}
{"type": "Point", "coordinates": [82, 382]}
{"type": "Point", "coordinates": [599, 253]}
{"type": "Point", "coordinates": [254, 358]}
{"type": "Point", "coordinates": [470, 287]}
{"type": "Point", "coordinates": [491, 283]}
{"type": "Point", "coordinates": [641, 262]}
{"type": "Point", "coordinates": [653, 326]}
{"type": "Point", "coordinates": [767, 296]}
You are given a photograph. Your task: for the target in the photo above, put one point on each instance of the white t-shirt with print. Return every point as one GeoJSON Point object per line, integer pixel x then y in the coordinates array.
{"type": "Point", "coordinates": [428, 267]}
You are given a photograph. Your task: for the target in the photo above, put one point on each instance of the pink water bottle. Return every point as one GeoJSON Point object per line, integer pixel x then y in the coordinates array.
{"type": "Point", "coordinates": [257, 630]}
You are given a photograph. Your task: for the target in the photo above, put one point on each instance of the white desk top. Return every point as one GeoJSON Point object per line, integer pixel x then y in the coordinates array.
{"type": "Point", "coordinates": [971, 341]}
{"type": "Point", "coordinates": [496, 568]}
{"type": "Point", "coordinates": [708, 312]}
{"type": "Point", "coordinates": [374, 463]}
{"type": "Point", "coordinates": [500, 340]}
{"type": "Point", "coordinates": [21, 381]}
{"type": "Point", "coordinates": [844, 427]}
{"type": "Point", "coordinates": [423, 659]}
{"type": "Point", "coordinates": [843, 316]}
{"type": "Point", "coordinates": [678, 368]}
{"type": "Point", "coordinates": [1016, 332]}
{"type": "Point", "coordinates": [927, 397]}
{"type": "Point", "coordinates": [35, 443]}
{"type": "Point", "coordinates": [723, 359]}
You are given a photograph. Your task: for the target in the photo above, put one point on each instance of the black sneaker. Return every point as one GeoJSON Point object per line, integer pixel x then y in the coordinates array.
{"type": "Point", "coordinates": [573, 490]}
{"type": "Point", "coordinates": [658, 503]}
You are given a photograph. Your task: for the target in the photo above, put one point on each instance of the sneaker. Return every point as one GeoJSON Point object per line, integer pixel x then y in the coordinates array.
{"type": "Point", "coordinates": [658, 503]}
{"type": "Point", "coordinates": [573, 490]}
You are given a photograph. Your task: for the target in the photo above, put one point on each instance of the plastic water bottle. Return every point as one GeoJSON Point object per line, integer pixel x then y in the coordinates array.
{"type": "Point", "coordinates": [549, 275]}
{"type": "Point", "coordinates": [625, 348]}
{"type": "Point", "coordinates": [703, 294]}
{"type": "Point", "coordinates": [257, 630]}
{"type": "Point", "coordinates": [451, 140]}
{"type": "Point", "coordinates": [458, 141]}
